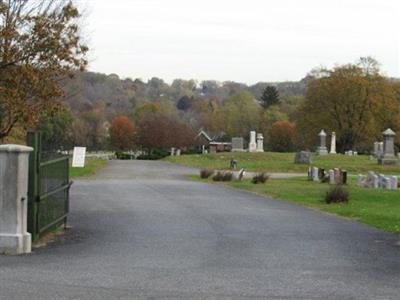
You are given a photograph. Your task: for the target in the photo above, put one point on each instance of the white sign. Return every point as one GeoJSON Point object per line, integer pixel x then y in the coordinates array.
{"type": "Point", "coordinates": [78, 158]}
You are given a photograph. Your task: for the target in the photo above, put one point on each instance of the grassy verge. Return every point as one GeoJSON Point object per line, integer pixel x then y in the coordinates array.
{"type": "Point", "coordinates": [282, 162]}
{"type": "Point", "coordinates": [91, 167]}
{"type": "Point", "coordinates": [379, 208]}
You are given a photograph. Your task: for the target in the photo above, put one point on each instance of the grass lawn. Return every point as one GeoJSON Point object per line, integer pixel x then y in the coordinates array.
{"type": "Point", "coordinates": [282, 162]}
{"type": "Point", "coordinates": [379, 208]}
{"type": "Point", "coordinates": [91, 167]}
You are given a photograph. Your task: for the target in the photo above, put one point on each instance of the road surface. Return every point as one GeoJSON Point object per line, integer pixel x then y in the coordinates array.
{"type": "Point", "coordinates": [141, 230]}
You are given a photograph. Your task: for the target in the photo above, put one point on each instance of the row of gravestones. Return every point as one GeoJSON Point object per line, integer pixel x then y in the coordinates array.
{"type": "Point", "coordinates": [379, 181]}
{"type": "Point", "coordinates": [256, 143]}
{"type": "Point", "coordinates": [333, 176]}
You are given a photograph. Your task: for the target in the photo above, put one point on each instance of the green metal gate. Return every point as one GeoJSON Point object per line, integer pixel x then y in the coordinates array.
{"type": "Point", "coordinates": [48, 191]}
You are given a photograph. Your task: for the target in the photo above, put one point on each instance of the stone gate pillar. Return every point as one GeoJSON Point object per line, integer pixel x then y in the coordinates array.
{"type": "Point", "coordinates": [14, 166]}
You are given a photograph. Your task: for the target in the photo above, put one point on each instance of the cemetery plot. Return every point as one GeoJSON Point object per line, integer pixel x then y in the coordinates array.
{"type": "Point", "coordinates": [284, 162]}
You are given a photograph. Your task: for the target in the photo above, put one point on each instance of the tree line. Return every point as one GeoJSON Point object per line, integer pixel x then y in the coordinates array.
{"type": "Point", "coordinates": [44, 86]}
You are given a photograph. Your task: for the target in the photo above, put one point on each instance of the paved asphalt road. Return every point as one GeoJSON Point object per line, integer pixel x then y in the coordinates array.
{"type": "Point", "coordinates": [141, 231]}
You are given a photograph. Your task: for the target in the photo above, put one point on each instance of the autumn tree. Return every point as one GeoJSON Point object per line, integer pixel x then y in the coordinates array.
{"type": "Point", "coordinates": [158, 131]}
{"type": "Point", "coordinates": [353, 100]}
{"type": "Point", "coordinates": [40, 44]}
{"type": "Point", "coordinates": [282, 136]}
{"type": "Point", "coordinates": [122, 133]}
{"type": "Point", "coordinates": [269, 97]}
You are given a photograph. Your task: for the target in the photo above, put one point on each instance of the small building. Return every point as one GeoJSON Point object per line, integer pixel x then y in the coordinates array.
{"type": "Point", "coordinates": [211, 143]}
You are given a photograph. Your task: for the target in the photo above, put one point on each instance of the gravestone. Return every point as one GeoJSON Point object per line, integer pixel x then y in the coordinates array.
{"type": "Point", "coordinates": [388, 157]}
{"type": "Point", "coordinates": [331, 176]}
{"type": "Point", "coordinates": [322, 150]}
{"type": "Point", "coordinates": [376, 149]}
{"type": "Point", "coordinates": [178, 152]}
{"type": "Point", "coordinates": [333, 143]}
{"type": "Point", "coordinates": [343, 177]}
{"type": "Point", "coordinates": [302, 157]}
{"type": "Point", "coordinates": [394, 182]}
{"type": "Point", "coordinates": [237, 144]}
{"type": "Point", "coordinates": [260, 142]}
{"type": "Point", "coordinates": [252, 143]}
{"type": "Point", "coordinates": [315, 173]}
{"type": "Point", "coordinates": [172, 151]}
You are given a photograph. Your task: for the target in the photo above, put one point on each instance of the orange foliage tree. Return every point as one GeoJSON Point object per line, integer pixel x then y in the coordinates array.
{"type": "Point", "coordinates": [282, 136]}
{"type": "Point", "coordinates": [122, 133]}
{"type": "Point", "coordinates": [40, 45]}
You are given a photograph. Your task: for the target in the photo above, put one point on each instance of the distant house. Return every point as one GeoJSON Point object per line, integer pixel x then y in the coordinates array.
{"type": "Point", "coordinates": [211, 143]}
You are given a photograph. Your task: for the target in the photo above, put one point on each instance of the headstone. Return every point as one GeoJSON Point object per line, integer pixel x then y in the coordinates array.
{"type": "Point", "coordinates": [375, 182]}
{"type": "Point", "coordinates": [376, 149]}
{"type": "Point", "coordinates": [387, 183]}
{"type": "Point", "coordinates": [337, 176]}
{"type": "Point", "coordinates": [355, 153]}
{"type": "Point", "coordinates": [237, 144]}
{"type": "Point", "coordinates": [394, 182]}
{"type": "Point", "coordinates": [172, 151]}
{"type": "Point", "coordinates": [178, 152]}
{"type": "Point", "coordinates": [252, 143]}
{"type": "Point", "coordinates": [322, 150]}
{"type": "Point", "coordinates": [302, 157]}
{"type": "Point", "coordinates": [344, 177]}
{"type": "Point", "coordinates": [78, 157]}
{"type": "Point", "coordinates": [315, 174]}
{"type": "Point", "coordinates": [331, 176]}
{"type": "Point", "coordinates": [321, 173]}
{"type": "Point", "coordinates": [260, 142]}
{"type": "Point", "coordinates": [333, 143]}
{"type": "Point", "coordinates": [388, 157]}
{"type": "Point", "coordinates": [309, 173]}
{"type": "Point", "coordinates": [203, 149]}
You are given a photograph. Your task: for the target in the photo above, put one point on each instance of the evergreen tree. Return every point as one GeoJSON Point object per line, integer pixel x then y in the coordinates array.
{"type": "Point", "coordinates": [269, 97]}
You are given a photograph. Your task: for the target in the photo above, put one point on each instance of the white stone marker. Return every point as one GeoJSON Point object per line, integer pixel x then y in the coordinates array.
{"type": "Point", "coordinates": [333, 143]}
{"type": "Point", "coordinates": [78, 158]}
{"type": "Point", "coordinates": [252, 143]}
{"type": "Point", "coordinates": [260, 142]}
{"type": "Point", "coordinates": [315, 174]}
{"type": "Point", "coordinates": [14, 166]}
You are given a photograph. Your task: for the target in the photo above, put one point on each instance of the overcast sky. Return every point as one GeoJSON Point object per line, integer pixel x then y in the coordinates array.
{"type": "Point", "coordinates": [241, 40]}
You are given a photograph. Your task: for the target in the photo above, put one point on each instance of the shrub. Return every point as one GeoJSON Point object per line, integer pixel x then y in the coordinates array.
{"type": "Point", "coordinates": [205, 173]}
{"type": "Point", "coordinates": [260, 178]}
{"type": "Point", "coordinates": [337, 194]}
{"type": "Point", "coordinates": [222, 176]}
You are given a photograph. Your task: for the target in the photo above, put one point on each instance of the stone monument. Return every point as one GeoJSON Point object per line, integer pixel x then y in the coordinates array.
{"type": "Point", "coordinates": [322, 150]}
{"type": "Point", "coordinates": [333, 143]}
{"type": "Point", "coordinates": [388, 157]}
{"type": "Point", "coordinates": [237, 144]}
{"type": "Point", "coordinates": [260, 142]}
{"type": "Point", "coordinates": [252, 143]}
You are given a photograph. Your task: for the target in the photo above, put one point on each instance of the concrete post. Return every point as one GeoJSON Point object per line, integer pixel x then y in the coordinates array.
{"type": "Point", "coordinates": [14, 166]}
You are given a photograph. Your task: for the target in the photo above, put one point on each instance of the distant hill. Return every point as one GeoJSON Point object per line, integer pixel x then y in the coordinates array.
{"type": "Point", "coordinates": [88, 88]}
